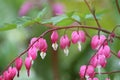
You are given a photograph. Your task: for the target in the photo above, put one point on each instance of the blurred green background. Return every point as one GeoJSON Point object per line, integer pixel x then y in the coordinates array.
{"type": "Point", "coordinates": [56, 66]}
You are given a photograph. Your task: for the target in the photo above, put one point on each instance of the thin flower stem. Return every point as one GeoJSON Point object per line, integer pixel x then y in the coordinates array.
{"type": "Point", "coordinates": [118, 7]}
{"type": "Point", "coordinates": [112, 72]}
{"type": "Point", "coordinates": [50, 30]}
{"type": "Point", "coordinates": [94, 15]}
{"type": "Point", "coordinates": [114, 54]}
{"type": "Point", "coordinates": [93, 56]}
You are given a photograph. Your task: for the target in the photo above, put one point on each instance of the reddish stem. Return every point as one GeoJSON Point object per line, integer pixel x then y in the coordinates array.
{"type": "Point", "coordinates": [57, 28]}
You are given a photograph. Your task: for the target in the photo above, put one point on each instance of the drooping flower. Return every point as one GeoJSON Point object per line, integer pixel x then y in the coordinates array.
{"type": "Point", "coordinates": [12, 72]}
{"type": "Point", "coordinates": [6, 75]}
{"type": "Point", "coordinates": [1, 77]}
{"type": "Point", "coordinates": [64, 44]}
{"type": "Point", "coordinates": [118, 54]}
{"type": "Point", "coordinates": [107, 79]}
{"type": "Point", "coordinates": [18, 65]}
{"type": "Point", "coordinates": [97, 41]}
{"type": "Point", "coordinates": [87, 71]}
{"type": "Point", "coordinates": [42, 47]}
{"type": "Point", "coordinates": [33, 40]}
{"type": "Point", "coordinates": [32, 52]}
{"type": "Point", "coordinates": [28, 64]}
{"type": "Point", "coordinates": [25, 8]}
{"type": "Point", "coordinates": [93, 78]}
{"type": "Point", "coordinates": [58, 9]}
{"type": "Point", "coordinates": [78, 37]}
{"type": "Point", "coordinates": [104, 50]}
{"type": "Point", "coordinates": [98, 61]}
{"type": "Point", "coordinates": [54, 39]}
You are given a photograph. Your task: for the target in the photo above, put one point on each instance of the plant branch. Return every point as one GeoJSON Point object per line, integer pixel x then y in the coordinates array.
{"type": "Point", "coordinates": [94, 15]}
{"type": "Point", "coordinates": [57, 28]}
{"type": "Point", "coordinates": [109, 72]}
{"type": "Point", "coordinates": [118, 7]}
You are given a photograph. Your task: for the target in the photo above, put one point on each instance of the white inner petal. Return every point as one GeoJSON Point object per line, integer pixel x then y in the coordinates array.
{"type": "Point", "coordinates": [79, 46]}
{"type": "Point", "coordinates": [66, 51]}
{"type": "Point", "coordinates": [42, 54]}
{"type": "Point", "coordinates": [55, 46]}
{"type": "Point", "coordinates": [87, 77]}
{"type": "Point", "coordinates": [99, 69]}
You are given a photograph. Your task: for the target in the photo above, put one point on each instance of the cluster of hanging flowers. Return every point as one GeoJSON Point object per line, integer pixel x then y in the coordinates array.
{"type": "Point", "coordinates": [99, 60]}
{"type": "Point", "coordinates": [40, 44]}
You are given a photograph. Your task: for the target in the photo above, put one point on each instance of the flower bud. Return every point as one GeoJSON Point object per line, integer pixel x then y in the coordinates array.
{"type": "Point", "coordinates": [18, 64]}
{"type": "Point", "coordinates": [54, 39]}
{"type": "Point", "coordinates": [28, 64]}
{"type": "Point", "coordinates": [32, 52]}
{"type": "Point", "coordinates": [42, 47]}
{"type": "Point", "coordinates": [89, 73]}
{"type": "Point", "coordinates": [25, 8]}
{"type": "Point", "coordinates": [78, 37]}
{"type": "Point", "coordinates": [64, 44]}
{"type": "Point", "coordinates": [97, 41]}
{"type": "Point", "coordinates": [118, 54]}
{"type": "Point", "coordinates": [58, 9]}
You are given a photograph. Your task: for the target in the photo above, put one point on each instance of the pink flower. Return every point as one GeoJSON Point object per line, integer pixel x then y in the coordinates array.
{"type": "Point", "coordinates": [36, 44]}
{"type": "Point", "coordinates": [78, 37]}
{"type": "Point", "coordinates": [58, 9]}
{"type": "Point", "coordinates": [54, 39]}
{"type": "Point", "coordinates": [12, 72]}
{"type": "Point", "coordinates": [18, 64]}
{"type": "Point", "coordinates": [107, 79]}
{"type": "Point", "coordinates": [89, 72]}
{"type": "Point", "coordinates": [97, 41]}
{"type": "Point", "coordinates": [104, 50]}
{"type": "Point", "coordinates": [32, 52]}
{"type": "Point", "coordinates": [93, 79]}
{"type": "Point", "coordinates": [6, 75]}
{"type": "Point", "coordinates": [98, 60]}
{"type": "Point", "coordinates": [25, 8]}
{"type": "Point", "coordinates": [118, 54]}
{"type": "Point", "coordinates": [42, 47]}
{"type": "Point", "coordinates": [64, 44]}
{"type": "Point", "coordinates": [1, 77]}
{"type": "Point", "coordinates": [28, 64]}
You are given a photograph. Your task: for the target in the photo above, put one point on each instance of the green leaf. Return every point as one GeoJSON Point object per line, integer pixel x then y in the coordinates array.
{"type": "Point", "coordinates": [76, 18]}
{"type": "Point", "coordinates": [7, 26]}
{"type": "Point", "coordinates": [42, 13]}
{"type": "Point", "coordinates": [55, 19]}
{"type": "Point", "coordinates": [90, 16]}
{"type": "Point", "coordinates": [65, 22]}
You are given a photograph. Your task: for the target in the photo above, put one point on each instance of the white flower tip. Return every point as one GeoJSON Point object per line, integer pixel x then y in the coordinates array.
{"type": "Point", "coordinates": [87, 77]}
{"type": "Point", "coordinates": [66, 51]}
{"type": "Point", "coordinates": [79, 46]}
{"type": "Point", "coordinates": [32, 62]}
{"type": "Point", "coordinates": [99, 69]}
{"type": "Point", "coordinates": [42, 54]}
{"type": "Point", "coordinates": [55, 46]}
